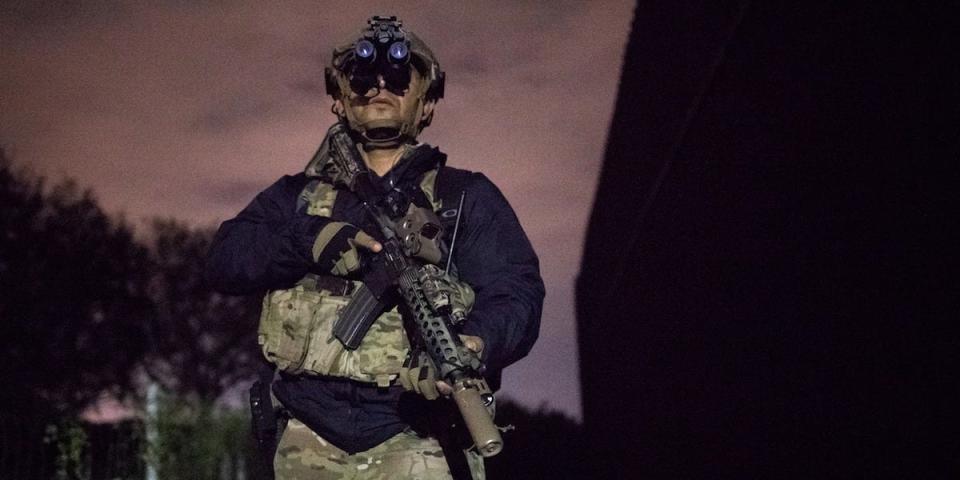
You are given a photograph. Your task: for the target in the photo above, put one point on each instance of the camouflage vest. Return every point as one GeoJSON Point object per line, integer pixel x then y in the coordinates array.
{"type": "Point", "coordinates": [295, 331]}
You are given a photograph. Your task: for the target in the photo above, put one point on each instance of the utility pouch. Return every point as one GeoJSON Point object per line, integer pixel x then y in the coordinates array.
{"type": "Point", "coordinates": [296, 335]}
{"type": "Point", "coordinates": [295, 330]}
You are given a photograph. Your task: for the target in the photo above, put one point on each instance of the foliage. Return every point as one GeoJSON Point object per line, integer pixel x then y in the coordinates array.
{"type": "Point", "coordinates": [70, 440]}
{"type": "Point", "coordinates": [196, 441]}
{"type": "Point", "coordinates": [85, 306]}
{"type": "Point", "coordinates": [116, 450]}
{"type": "Point", "coordinates": [200, 342]}
{"type": "Point", "coordinates": [72, 295]}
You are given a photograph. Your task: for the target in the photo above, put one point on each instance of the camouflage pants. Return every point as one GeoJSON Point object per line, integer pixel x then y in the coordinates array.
{"type": "Point", "coordinates": [304, 455]}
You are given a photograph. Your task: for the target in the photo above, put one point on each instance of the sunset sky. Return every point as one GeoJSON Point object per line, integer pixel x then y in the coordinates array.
{"type": "Point", "coordinates": [187, 109]}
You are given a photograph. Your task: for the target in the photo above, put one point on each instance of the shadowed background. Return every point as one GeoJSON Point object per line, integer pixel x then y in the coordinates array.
{"type": "Point", "coordinates": [772, 285]}
{"type": "Point", "coordinates": [188, 109]}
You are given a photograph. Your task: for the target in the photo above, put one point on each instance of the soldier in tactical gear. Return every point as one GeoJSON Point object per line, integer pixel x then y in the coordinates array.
{"type": "Point", "coordinates": [374, 408]}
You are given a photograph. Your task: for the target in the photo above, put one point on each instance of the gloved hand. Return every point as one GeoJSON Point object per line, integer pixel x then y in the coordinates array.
{"type": "Point", "coordinates": [336, 248]}
{"type": "Point", "coordinates": [446, 294]}
{"type": "Point", "coordinates": [419, 375]}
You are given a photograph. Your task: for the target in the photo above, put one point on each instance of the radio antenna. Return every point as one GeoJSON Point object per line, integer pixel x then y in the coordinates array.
{"type": "Point", "coordinates": [456, 227]}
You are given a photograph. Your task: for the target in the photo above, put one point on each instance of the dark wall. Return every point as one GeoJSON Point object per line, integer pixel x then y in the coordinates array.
{"type": "Point", "coordinates": [768, 280]}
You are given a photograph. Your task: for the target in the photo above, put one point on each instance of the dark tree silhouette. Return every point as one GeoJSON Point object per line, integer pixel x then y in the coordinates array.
{"type": "Point", "coordinates": [201, 342]}
{"type": "Point", "coordinates": [84, 306]}
{"type": "Point", "coordinates": [72, 295]}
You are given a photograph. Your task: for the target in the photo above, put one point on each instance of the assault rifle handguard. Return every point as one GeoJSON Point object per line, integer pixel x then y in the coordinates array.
{"type": "Point", "coordinates": [455, 363]}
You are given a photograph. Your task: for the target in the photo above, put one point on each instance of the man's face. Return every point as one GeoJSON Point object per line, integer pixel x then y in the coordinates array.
{"type": "Point", "coordinates": [387, 109]}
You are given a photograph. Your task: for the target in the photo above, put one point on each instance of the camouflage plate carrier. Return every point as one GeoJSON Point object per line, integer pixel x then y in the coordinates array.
{"type": "Point", "coordinates": [296, 324]}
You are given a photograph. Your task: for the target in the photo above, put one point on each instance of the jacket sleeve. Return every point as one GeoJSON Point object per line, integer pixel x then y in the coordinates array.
{"type": "Point", "coordinates": [268, 245]}
{"type": "Point", "coordinates": [495, 257]}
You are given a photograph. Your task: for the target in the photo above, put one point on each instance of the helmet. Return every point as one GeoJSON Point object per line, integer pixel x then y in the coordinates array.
{"type": "Point", "coordinates": [384, 50]}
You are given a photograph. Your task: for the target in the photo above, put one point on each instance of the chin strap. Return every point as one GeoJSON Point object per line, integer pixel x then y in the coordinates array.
{"type": "Point", "coordinates": [383, 137]}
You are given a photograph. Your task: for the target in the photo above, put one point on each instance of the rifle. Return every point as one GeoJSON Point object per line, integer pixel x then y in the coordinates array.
{"type": "Point", "coordinates": [412, 246]}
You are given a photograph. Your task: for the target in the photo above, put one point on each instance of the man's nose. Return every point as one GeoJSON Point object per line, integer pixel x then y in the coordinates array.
{"type": "Point", "coordinates": [381, 82]}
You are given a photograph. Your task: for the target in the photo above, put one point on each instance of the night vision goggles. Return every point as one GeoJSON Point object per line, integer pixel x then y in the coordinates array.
{"type": "Point", "coordinates": [384, 50]}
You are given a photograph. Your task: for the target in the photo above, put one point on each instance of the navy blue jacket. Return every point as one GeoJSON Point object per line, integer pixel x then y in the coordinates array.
{"type": "Point", "coordinates": [269, 245]}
